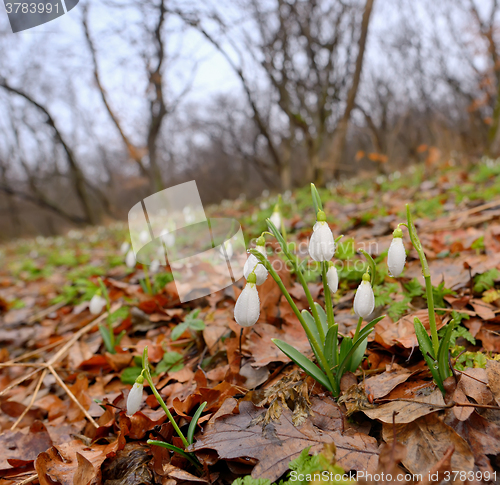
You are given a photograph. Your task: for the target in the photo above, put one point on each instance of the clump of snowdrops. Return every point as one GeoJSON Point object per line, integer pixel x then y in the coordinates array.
{"type": "Point", "coordinates": [333, 358]}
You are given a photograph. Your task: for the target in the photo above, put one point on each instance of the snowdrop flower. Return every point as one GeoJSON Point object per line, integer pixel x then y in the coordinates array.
{"type": "Point", "coordinates": [96, 304]}
{"type": "Point", "coordinates": [321, 244]}
{"type": "Point", "coordinates": [364, 300]}
{"type": "Point", "coordinates": [130, 259]}
{"type": "Point", "coordinates": [333, 278]}
{"type": "Point", "coordinates": [134, 398]}
{"type": "Point", "coordinates": [397, 254]}
{"type": "Point", "coordinates": [247, 308]}
{"type": "Point", "coordinates": [252, 263]}
{"type": "Point", "coordinates": [276, 217]}
{"type": "Point", "coordinates": [154, 266]}
{"type": "Point", "coordinates": [124, 247]}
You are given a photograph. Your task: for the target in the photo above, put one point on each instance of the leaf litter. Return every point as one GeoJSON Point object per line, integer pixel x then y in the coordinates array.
{"type": "Point", "coordinates": [62, 395]}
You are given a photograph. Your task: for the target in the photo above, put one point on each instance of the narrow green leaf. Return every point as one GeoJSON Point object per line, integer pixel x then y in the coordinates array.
{"type": "Point", "coordinates": [331, 346]}
{"type": "Point", "coordinates": [363, 334]}
{"type": "Point", "coordinates": [311, 323]}
{"type": "Point", "coordinates": [443, 365]}
{"type": "Point", "coordinates": [106, 337]}
{"type": "Point", "coordinates": [304, 363]}
{"type": "Point", "coordinates": [120, 336]}
{"type": "Point", "coordinates": [345, 348]}
{"type": "Point", "coordinates": [322, 317]}
{"type": "Point", "coordinates": [278, 236]}
{"type": "Point", "coordinates": [424, 342]}
{"type": "Point", "coordinates": [178, 450]}
{"type": "Point", "coordinates": [194, 421]}
{"type": "Point", "coordinates": [357, 356]}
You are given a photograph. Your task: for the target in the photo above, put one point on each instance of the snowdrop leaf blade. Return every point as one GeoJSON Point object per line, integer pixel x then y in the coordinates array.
{"type": "Point", "coordinates": [424, 342]}
{"type": "Point", "coordinates": [322, 316]}
{"type": "Point", "coordinates": [311, 324]}
{"type": "Point", "coordinates": [106, 338]}
{"type": "Point", "coordinates": [331, 345]}
{"type": "Point", "coordinates": [443, 365]}
{"type": "Point", "coordinates": [357, 356]}
{"type": "Point", "coordinates": [304, 363]}
{"type": "Point", "coordinates": [194, 421]}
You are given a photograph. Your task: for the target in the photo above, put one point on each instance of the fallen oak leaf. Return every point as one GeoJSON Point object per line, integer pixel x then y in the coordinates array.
{"type": "Point", "coordinates": [279, 443]}
{"type": "Point", "coordinates": [407, 410]}
{"type": "Point", "coordinates": [382, 384]}
{"type": "Point", "coordinates": [427, 440]}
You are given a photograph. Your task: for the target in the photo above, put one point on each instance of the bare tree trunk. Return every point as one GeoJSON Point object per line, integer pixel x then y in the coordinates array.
{"type": "Point", "coordinates": [77, 174]}
{"type": "Point", "coordinates": [340, 134]}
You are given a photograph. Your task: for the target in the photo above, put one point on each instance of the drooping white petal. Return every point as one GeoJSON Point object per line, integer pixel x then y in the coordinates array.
{"type": "Point", "coordinates": [276, 219]}
{"type": "Point", "coordinates": [247, 308]}
{"type": "Point", "coordinates": [364, 300]}
{"type": "Point", "coordinates": [124, 247]}
{"type": "Point", "coordinates": [322, 244]}
{"type": "Point", "coordinates": [333, 279]}
{"type": "Point", "coordinates": [96, 304]}
{"type": "Point", "coordinates": [154, 266]}
{"type": "Point", "coordinates": [260, 271]}
{"type": "Point", "coordinates": [134, 399]}
{"type": "Point", "coordinates": [130, 259]}
{"type": "Point", "coordinates": [397, 257]}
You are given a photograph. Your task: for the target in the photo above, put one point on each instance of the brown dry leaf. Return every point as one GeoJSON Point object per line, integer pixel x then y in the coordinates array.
{"type": "Point", "coordinates": [128, 467]}
{"type": "Point", "coordinates": [482, 436]}
{"type": "Point", "coordinates": [67, 462]}
{"type": "Point", "coordinates": [407, 411]}
{"type": "Point", "coordinates": [427, 440]}
{"type": "Point", "coordinates": [19, 444]}
{"type": "Point", "coordinates": [487, 333]}
{"type": "Point", "coordinates": [382, 384]}
{"type": "Point", "coordinates": [279, 443]}
{"type": "Point", "coordinates": [483, 309]}
{"type": "Point", "coordinates": [493, 374]}
{"type": "Point", "coordinates": [263, 350]}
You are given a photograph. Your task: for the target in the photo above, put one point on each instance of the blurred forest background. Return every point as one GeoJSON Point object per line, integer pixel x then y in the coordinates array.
{"type": "Point", "coordinates": [121, 98]}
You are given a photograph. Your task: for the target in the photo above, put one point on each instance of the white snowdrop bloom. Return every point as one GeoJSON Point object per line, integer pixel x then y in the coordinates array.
{"type": "Point", "coordinates": [364, 300]}
{"type": "Point", "coordinates": [154, 266]}
{"type": "Point", "coordinates": [276, 218]}
{"type": "Point", "coordinates": [130, 259]}
{"type": "Point", "coordinates": [397, 255]}
{"type": "Point", "coordinates": [134, 398]}
{"type": "Point", "coordinates": [168, 239]}
{"type": "Point", "coordinates": [247, 308]}
{"type": "Point", "coordinates": [96, 304]}
{"type": "Point", "coordinates": [252, 263]}
{"type": "Point", "coordinates": [332, 277]}
{"type": "Point", "coordinates": [124, 247]}
{"type": "Point", "coordinates": [321, 244]}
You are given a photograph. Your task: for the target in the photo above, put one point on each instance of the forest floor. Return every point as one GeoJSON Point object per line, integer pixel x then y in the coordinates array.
{"type": "Point", "coordinates": [63, 395]}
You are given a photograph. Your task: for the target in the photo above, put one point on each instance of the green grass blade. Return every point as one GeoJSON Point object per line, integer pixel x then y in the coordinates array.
{"type": "Point", "coordinates": [194, 421]}
{"type": "Point", "coordinates": [304, 363]}
{"type": "Point", "coordinates": [106, 339]}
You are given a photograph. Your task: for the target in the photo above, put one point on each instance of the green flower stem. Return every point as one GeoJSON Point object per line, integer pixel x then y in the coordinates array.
{"type": "Point", "coordinates": [427, 276]}
{"type": "Point", "coordinates": [328, 296]}
{"type": "Point", "coordinates": [358, 328]}
{"type": "Point", "coordinates": [147, 375]}
{"type": "Point", "coordinates": [310, 336]}
{"type": "Point", "coordinates": [147, 279]}
{"type": "Point", "coordinates": [309, 297]}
